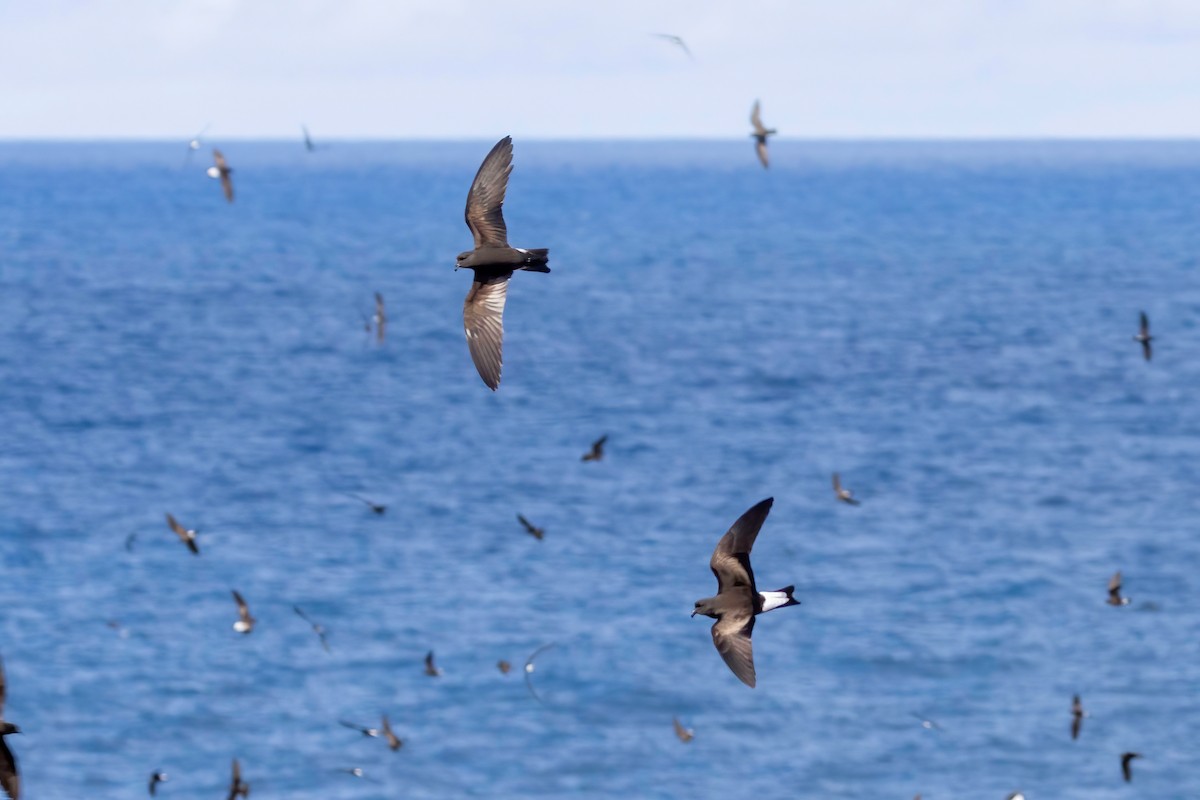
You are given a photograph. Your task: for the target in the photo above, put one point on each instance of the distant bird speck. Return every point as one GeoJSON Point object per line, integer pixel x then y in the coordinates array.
{"type": "Point", "coordinates": [503, 666]}
{"type": "Point", "coordinates": [675, 40]}
{"type": "Point", "coordinates": [237, 786]}
{"type": "Point", "coordinates": [1126, 768]}
{"type": "Point", "coordinates": [245, 622]}
{"type": "Point", "coordinates": [375, 507]}
{"type": "Point", "coordinates": [597, 451]}
{"type": "Point", "coordinates": [1114, 591]}
{"type": "Point", "coordinates": [761, 132]}
{"type": "Point", "coordinates": [1143, 336]}
{"type": "Point", "coordinates": [393, 740]}
{"type": "Point", "coordinates": [222, 171]}
{"type": "Point", "coordinates": [738, 600]}
{"type": "Point", "coordinates": [843, 494]}
{"type": "Point", "coordinates": [308, 142]}
{"type": "Point", "coordinates": [1077, 715]}
{"type": "Point", "coordinates": [431, 669]}
{"type": "Point", "coordinates": [492, 261]}
{"type": "Point", "coordinates": [685, 734]}
{"type": "Point", "coordinates": [319, 630]}
{"type": "Point", "coordinates": [156, 778]}
{"type": "Point", "coordinates": [187, 535]}
{"type": "Point", "coordinates": [10, 776]}
{"type": "Point", "coordinates": [531, 529]}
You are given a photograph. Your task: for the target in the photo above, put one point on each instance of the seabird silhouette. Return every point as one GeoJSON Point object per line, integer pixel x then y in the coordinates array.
{"type": "Point", "coordinates": [186, 534]}
{"type": "Point", "coordinates": [237, 786]}
{"type": "Point", "coordinates": [393, 740]}
{"type": "Point", "coordinates": [597, 451]}
{"type": "Point", "coordinates": [1077, 715]}
{"type": "Point", "coordinates": [319, 630]}
{"type": "Point", "coordinates": [380, 318]}
{"type": "Point", "coordinates": [530, 528]}
{"type": "Point", "coordinates": [529, 668]}
{"type": "Point", "coordinates": [245, 622]}
{"type": "Point", "coordinates": [761, 132]}
{"type": "Point", "coordinates": [10, 777]}
{"type": "Point", "coordinates": [1144, 336]}
{"type": "Point", "coordinates": [685, 734]}
{"type": "Point", "coordinates": [675, 40]}
{"type": "Point", "coordinates": [156, 778]}
{"type": "Point", "coordinates": [220, 169]}
{"type": "Point", "coordinates": [375, 507]}
{"type": "Point", "coordinates": [503, 666]}
{"type": "Point", "coordinates": [493, 262]}
{"type": "Point", "coordinates": [431, 669]}
{"type": "Point", "coordinates": [1126, 768]}
{"type": "Point", "coordinates": [738, 600]}
{"type": "Point", "coordinates": [308, 142]}
{"type": "Point", "coordinates": [843, 494]}
{"type": "Point", "coordinates": [1114, 591]}
{"type": "Point", "coordinates": [370, 732]}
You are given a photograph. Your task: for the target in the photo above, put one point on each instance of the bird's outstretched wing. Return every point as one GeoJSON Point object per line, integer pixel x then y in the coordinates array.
{"type": "Point", "coordinates": [1114, 585]}
{"type": "Point", "coordinates": [483, 321]}
{"type": "Point", "coordinates": [529, 667]}
{"type": "Point", "coordinates": [3, 690]}
{"type": "Point", "coordinates": [10, 779]}
{"type": "Point", "coordinates": [761, 149]}
{"type": "Point", "coordinates": [731, 559]}
{"type": "Point", "coordinates": [756, 119]}
{"type": "Point", "coordinates": [485, 200]}
{"type": "Point", "coordinates": [731, 635]}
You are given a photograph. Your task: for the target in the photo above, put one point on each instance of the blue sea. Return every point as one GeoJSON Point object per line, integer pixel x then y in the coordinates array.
{"type": "Point", "coordinates": [948, 325]}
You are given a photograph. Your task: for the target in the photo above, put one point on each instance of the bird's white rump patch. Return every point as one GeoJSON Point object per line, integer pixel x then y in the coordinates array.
{"type": "Point", "coordinates": [773, 600]}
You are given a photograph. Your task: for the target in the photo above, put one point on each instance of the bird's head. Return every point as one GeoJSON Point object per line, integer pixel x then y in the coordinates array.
{"type": "Point", "coordinates": [705, 607]}
{"type": "Point", "coordinates": [464, 259]}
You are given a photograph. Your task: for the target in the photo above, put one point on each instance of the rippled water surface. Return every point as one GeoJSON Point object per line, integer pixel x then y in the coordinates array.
{"type": "Point", "coordinates": [947, 325]}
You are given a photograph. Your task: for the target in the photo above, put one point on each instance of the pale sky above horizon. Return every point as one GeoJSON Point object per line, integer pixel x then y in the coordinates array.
{"type": "Point", "coordinates": [468, 69]}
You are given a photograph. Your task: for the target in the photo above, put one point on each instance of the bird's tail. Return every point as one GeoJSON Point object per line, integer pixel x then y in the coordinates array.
{"type": "Point", "coordinates": [780, 598]}
{"type": "Point", "coordinates": [535, 260]}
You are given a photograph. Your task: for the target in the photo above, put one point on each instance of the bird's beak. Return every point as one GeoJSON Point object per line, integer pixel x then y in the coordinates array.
{"type": "Point", "coordinates": [693, 613]}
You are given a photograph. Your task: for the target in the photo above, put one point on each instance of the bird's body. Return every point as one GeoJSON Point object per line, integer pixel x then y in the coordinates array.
{"type": "Point", "coordinates": [493, 262]}
{"type": "Point", "coordinates": [245, 622]}
{"type": "Point", "coordinates": [1077, 715]}
{"type": "Point", "coordinates": [503, 666]}
{"type": "Point", "coordinates": [531, 529]}
{"type": "Point", "coordinates": [685, 734]}
{"type": "Point", "coordinates": [319, 630]}
{"type": "Point", "coordinates": [843, 494]}
{"type": "Point", "coordinates": [431, 669]}
{"type": "Point", "coordinates": [10, 776]}
{"type": "Point", "coordinates": [1114, 591]}
{"type": "Point", "coordinates": [738, 600]}
{"type": "Point", "coordinates": [186, 535]}
{"type": "Point", "coordinates": [393, 740]}
{"type": "Point", "coordinates": [222, 171]}
{"type": "Point", "coordinates": [1143, 337]}
{"type": "Point", "coordinates": [761, 132]}
{"type": "Point", "coordinates": [237, 786]}
{"type": "Point", "coordinates": [597, 451]}
{"type": "Point", "coordinates": [1126, 768]}
{"type": "Point", "coordinates": [156, 778]}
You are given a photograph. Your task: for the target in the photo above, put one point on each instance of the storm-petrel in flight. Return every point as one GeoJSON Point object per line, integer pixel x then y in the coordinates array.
{"type": "Point", "coordinates": [222, 170]}
{"type": "Point", "coordinates": [369, 732]}
{"type": "Point", "coordinates": [1126, 769]}
{"type": "Point", "coordinates": [685, 734]}
{"type": "Point", "coordinates": [308, 142]}
{"type": "Point", "coordinates": [237, 786]}
{"type": "Point", "coordinates": [597, 451]}
{"type": "Point", "coordinates": [1114, 591]}
{"type": "Point", "coordinates": [393, 740]}
{"type": "Point", "coordinates": [431, 669]}
{"type": "Point", "coordinates": [319, 630]}
{"type": "Point", "coordinates": [503, 666]}
{"type": "Point", "coordinates": [380, 318]}
{"type": "Point", "coordinates": [245, 622]}
{"type": "Point", "coordinates": [1077, 715]}
{"type": "Point", "coordinates": [186, 534]}
{"type": "Point", "coordinates": [761, 132]}
{"type": "Point", "coordinates": [675, 40]}
{"type": "Point", "coordinates": [493, 262]}
{"type": "Point", "coordinates": [530, 528]}
{"type": "Point", "coordinates": [156, 778]}
{"type": "Point", "coordinates": [10, 778]}
{"type": "Point", "coordinates": [738, 600]}
{"type": "Point", "coordinates": [843, 494]}
{"type": "Point", "coordinates": [375, 507]}
{"type": "Point", "coordinates": [1144, 336]}
{"type": "Point", "coordinates": [529, 668]}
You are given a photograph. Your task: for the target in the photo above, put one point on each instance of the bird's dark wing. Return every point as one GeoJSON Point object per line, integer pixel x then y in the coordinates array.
{"type": "Point", "coordinates": [1145, 323]}
{"type": "Point", "coordinates": [683, 733]}
{"type": "Point", "coordinates": [483, 321]}
{"type": "Point", "coordinates": [598, 445]}
{"type": "Point", "coordinates": [756, 119]}
{"type": "Point", "coordinates": [837, 484]}
{"type": "Point", "coordinates": [303, 616]}
{"type": "Point", "coordinates": [243, 609]}
{"type": "Point", "coordinates": [1146, 351]}
{"type": "Point", "coordinates": [3, 690]}
{"type": "Point", "coordinates": [227, 185]}
{"type": "Point", "coordinates": [1076, 724]}
{"type": "Point", "coordinates": [485, 200]}
{"type": "Point", "coordinates": [529, 670]}
{"type": "Point", "coordinates": [731, 560]}
{"type": "Point", "coordinates": [392, 739]}
{"type": "Point", "coordinates": [527, 524]}
{"type": "Point", "coordinates": [429, 662]}
{"type": "Point", "coordinates": [180, 531]}
{"type": "Point", "coordinates": [354, 727]}
{"type": "Point", "coordinates": [1114, 585]}
{"type": "Point", "coordinates": [235, 784]}
{"type": "Point", "coordinates": [761, 149]}
{"type": "Point", "coordinates": [219, 160]}
{"type": "Point", "coordinates": [379, 309]}
{"type": "Point", "coordinates": [10, 780]}
{"type": "Point", "coordinates": [731, 635]}
{"type": "Point", "coordinates": [1125, 770]}
{"type": "Point", "coordinates": [153, 784]}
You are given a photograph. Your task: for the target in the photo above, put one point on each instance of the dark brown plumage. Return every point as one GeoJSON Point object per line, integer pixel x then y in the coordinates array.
{"type": "Point", "coordinates": [237, 786]}
{"type": "Point", "coordinates": [597, 451]}
{"type": "Point", "coordinates": [10, 776]}
{"type": "Point", "coordinates": [431, 669]}
{"type": "Point", "coordinates": [156, 778]}
{"type": "Point", "coordinates": [1077, 715]}
{"type": "Point", "coordinates": [1114, 591]}
{"type": "Point", "coordinates": [392, 739]}
{"type": "Point", "coordinates": [685, 735]}
{"type": "Point", "coordinates": [493, 262]}
{"type": "Point", "coordinates": [1143, 336]}
{"type": "Point", "coordinates": [503, 666]}
{"type": "Point", "coordinates": [1126, 769]}
{"type": "Point", "coordinates": [186, 534]}
{"type": "Point", "coordinates": [843, 494]}
{"type": "Point", "coordinates": [761, 132]}
{"type": "Point", "coordinates": [221, 170]}
{"type": "Point", "coordinates": [245, 623]}
{"type": "Point", "coordinates": [531, 529]}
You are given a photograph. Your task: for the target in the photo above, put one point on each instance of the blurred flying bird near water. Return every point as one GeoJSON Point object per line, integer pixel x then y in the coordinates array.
{"type": "Point", "coordinates": [186, 534]}
{"type": "Point", "coordinates": [221, 170]}
{"type": "Point", "coordinates": [380, 318]}
{"type": "Point", "coordinates": [369, 732]}
{"type": "Point", "coordinates": [1114, 591]}
{"type": "Point", "coordinates": [597, 451]}
{"type": "Point", "coordinates": [492, 261]}
{"type": "Point", "coordinates": [927, 724]}
{"type": "Point", "coordinates": [685, 734]}
{"type": "Point", "coordinates": [675, 40]}
{"type": "Point", "coordinates": [1144, 336]}
{"type": "Point", "coordinates": [761, 132]}
{"type": "Point", "coordinates": [529, 668]}
{"type": "Point", "coordinates": [431, 669]}
{"type": "Point", "coordinates": [10, 777]}
{"type": "Point", "coordinates": [843, 494]}
{"type": "Point", "coordinates": [1126, 768]}
{"type": "Point", "coordinates": [237, 786]}
{"type": "Point", "coordinates": [319, 630]}
{"type": "Point", "coordinates": [1077, 715]}
{"type": "Point", "coordinates": [245, 622]}
{"type": "Point", "coordinates": [530, 528]}
{"type": "Point", "coordinates": [308, 142]}
{"type": "Point", "coordinates": [375, 507]}
{"type": "Point", "coordinates": [155, 779]}
{"type": "Point", "coordinates": [393, 740]}
{"type": "Point", "coordinates": [738, 600]}
{"type": "Point", "coordinates": [503, 666]}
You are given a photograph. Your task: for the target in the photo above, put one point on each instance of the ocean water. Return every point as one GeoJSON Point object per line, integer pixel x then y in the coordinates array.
{"type": "Point", "coordinates": [947, 325]}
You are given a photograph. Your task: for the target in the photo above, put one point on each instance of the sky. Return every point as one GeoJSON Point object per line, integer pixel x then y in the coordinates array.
{"type": "Point", "coordinates": [568, 69]}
